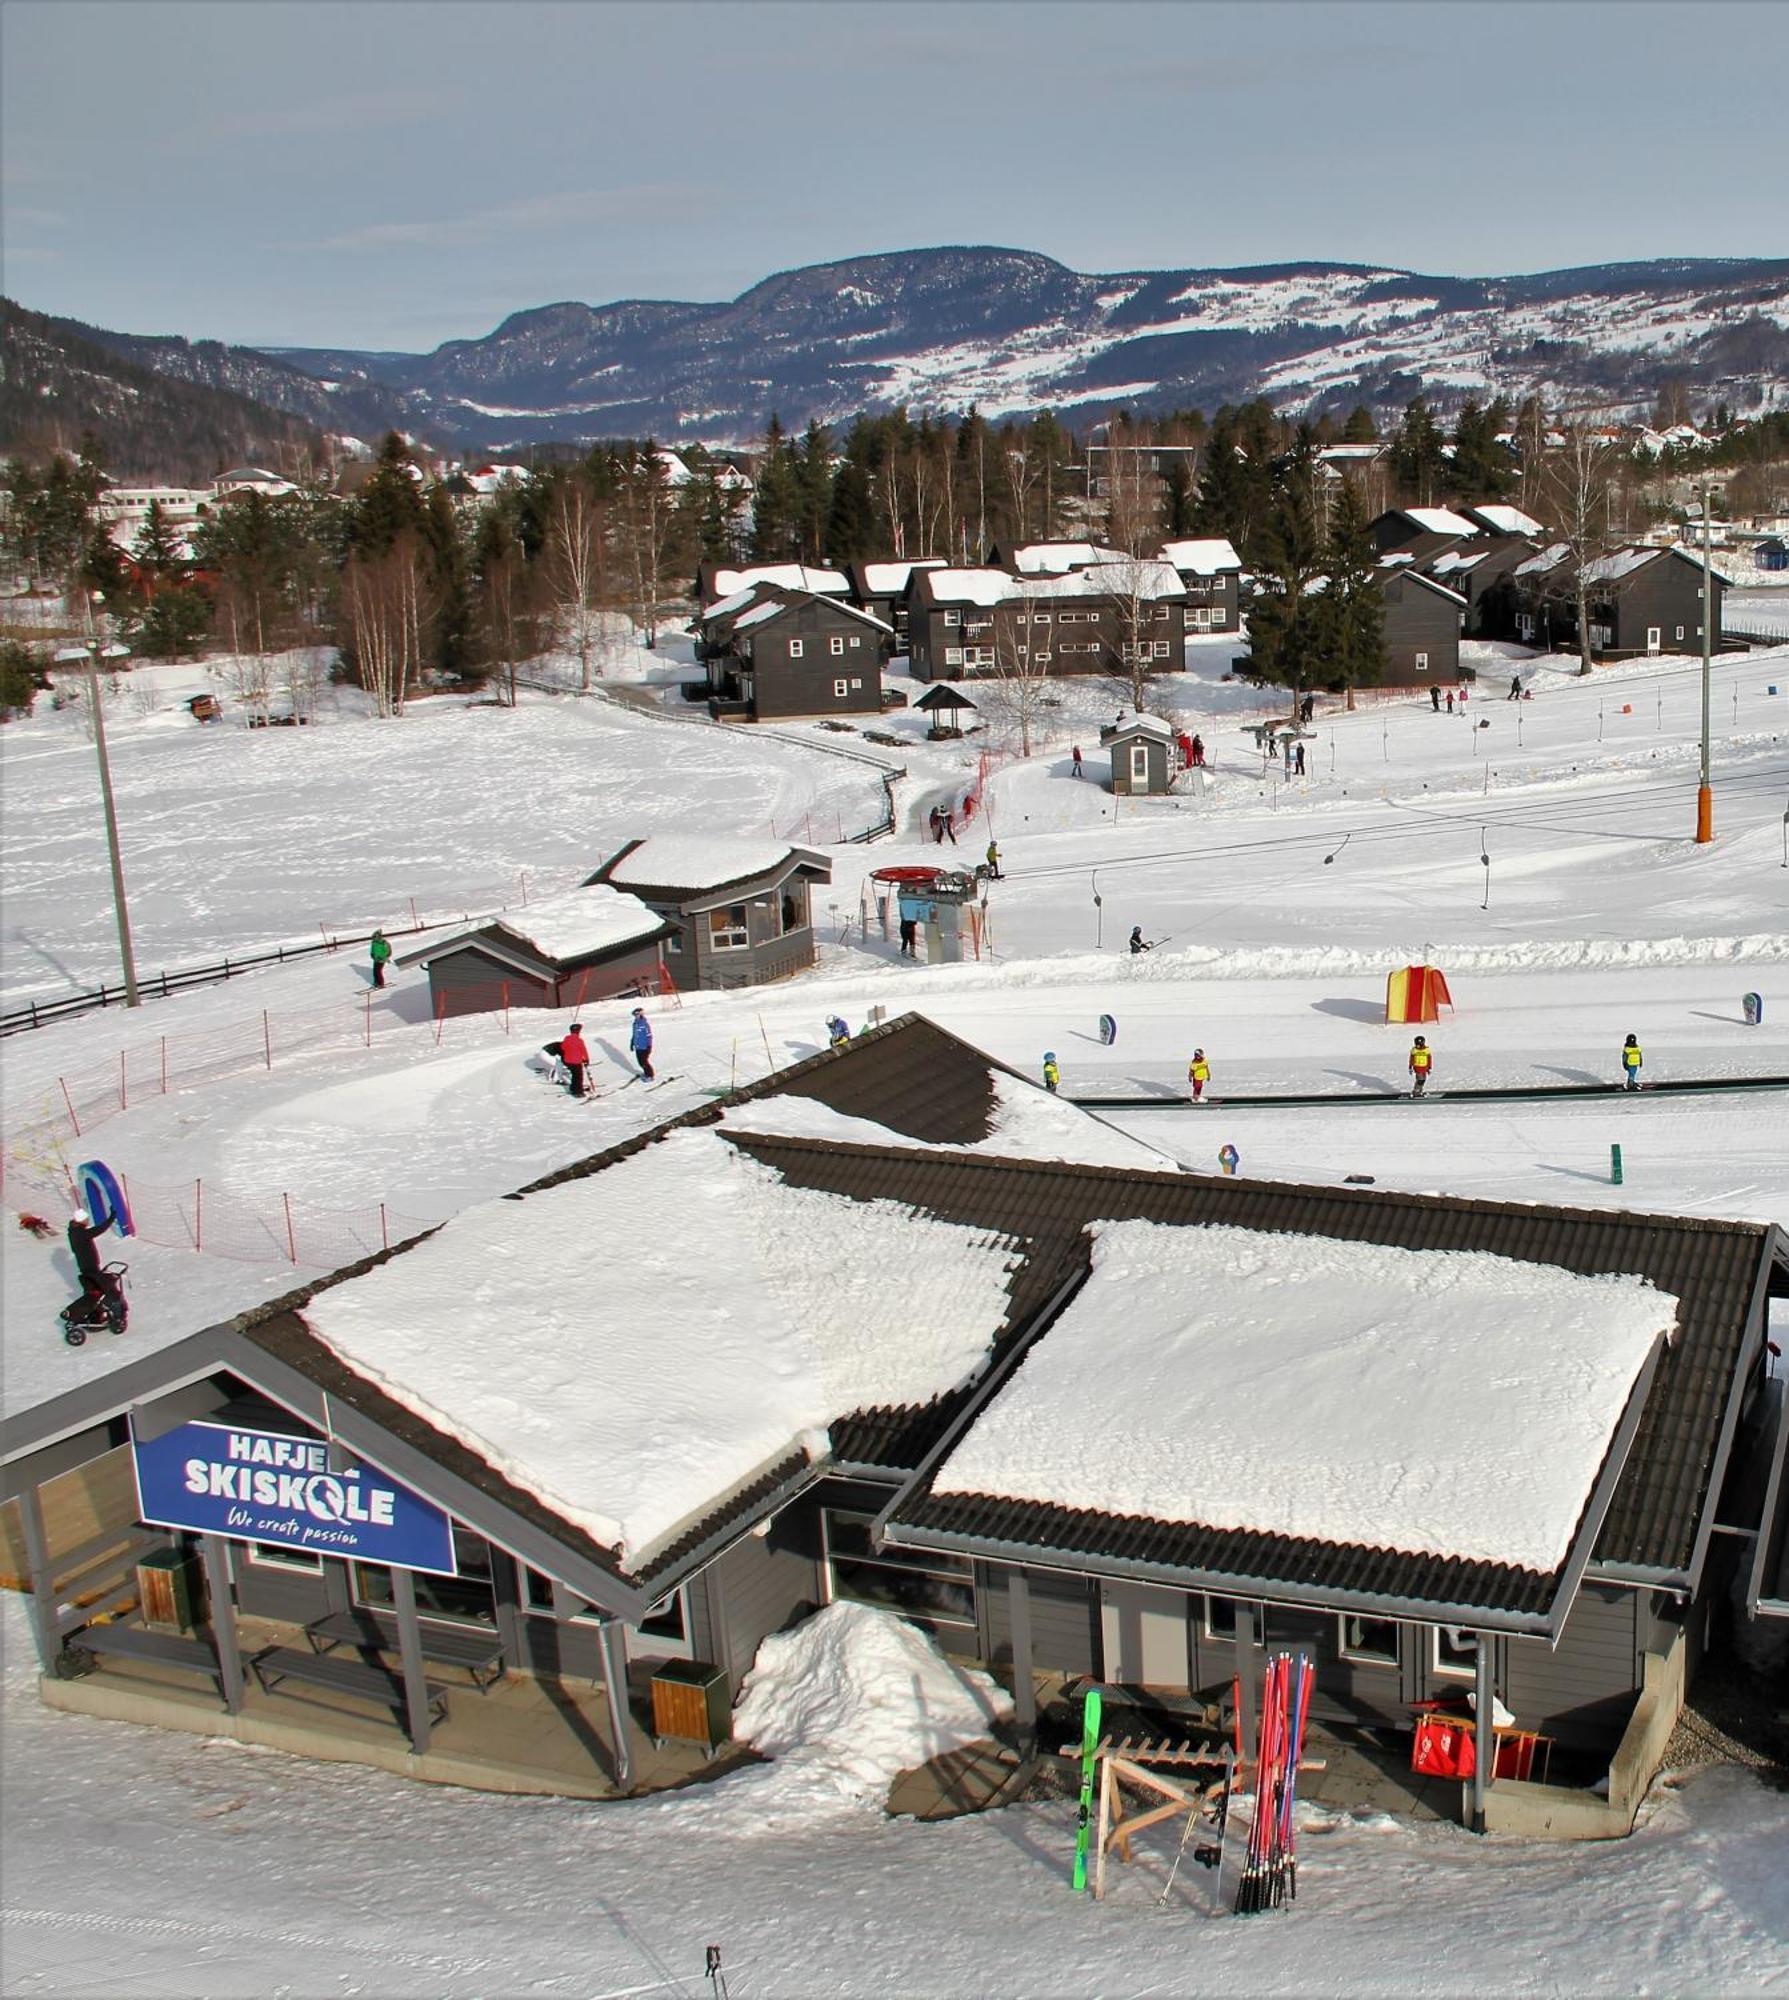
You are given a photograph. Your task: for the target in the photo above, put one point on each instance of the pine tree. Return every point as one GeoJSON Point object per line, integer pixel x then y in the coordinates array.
{"type": "Point", "coordinates": [1417, 459]}
{"type": "Point", "coordinates": [776, 506]}
{"type": "Point", "coordinates": [1350, 612]}
{"type": "Point", "coordinates": [814, 490]}
{"type": "Point", "coordinates": [851, 525]}
{"type": "Point", "coordinates": [1360, 427]}
{"type": "Point", "coordinates": [449, 582]}
{"type": "Point", "coordinates": [1285, 619]}
{"type": "Point", "coordinates": [390, 503]}
{"type": "Point", "coordinates": [157, 547]}
{"type": "Point", "coordinates": [1481, 467]}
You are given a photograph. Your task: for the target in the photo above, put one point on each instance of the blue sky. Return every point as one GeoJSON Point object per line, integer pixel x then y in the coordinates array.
{"type": "Point", "coordinates": [376, 175]}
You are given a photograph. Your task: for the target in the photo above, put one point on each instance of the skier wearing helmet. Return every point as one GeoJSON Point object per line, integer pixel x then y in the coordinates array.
{"type": "Point", "coordinates": [1422, 1061]}
{"type": "Point", "coordinates": [640, 1041]}
{"type": "Point", "coordinates": [1631, 1060]}
{"type": "Point", "coordinates": [574, 1052]}
{"type": "Point", "coordinates": [1052, 1075]}
{"type": "Point", "coordinates": [1198, 1074]}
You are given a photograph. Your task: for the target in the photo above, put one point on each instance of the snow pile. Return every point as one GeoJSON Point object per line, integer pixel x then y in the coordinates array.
{"type": "Point", "coordinates": [1448, 1403]}
{"type": "Point", "coordinates": [854, 1697]}
{"type": "Point", "coordinates": [633, 1347]}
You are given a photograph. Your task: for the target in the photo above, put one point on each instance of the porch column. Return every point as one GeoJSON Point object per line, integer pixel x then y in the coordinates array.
{"type": "Point", "coordinates": [416, 1685]}
{"type": "Point", "coordinates": [223, 1620]}
{"type": "Point", "coordinates": [614, 1653]}
{"type": "Point", "coordinates": [1246, 1666]}
{"type": "Point", "coordinates": [1018, 1607]}
{"type": "Point", "coordinates": [1484, 1731]}
{"type": "Point", "coordinates": [37, 1563]}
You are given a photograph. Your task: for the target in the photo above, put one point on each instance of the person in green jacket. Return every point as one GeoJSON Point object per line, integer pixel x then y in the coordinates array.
{"type": "Point", "coordinates": [379, 951]}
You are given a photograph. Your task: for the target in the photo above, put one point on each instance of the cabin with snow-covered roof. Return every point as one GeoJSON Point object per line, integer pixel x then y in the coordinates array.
{"type": "Point", "coordinates": [1641, 600]}
{"type": "Point", "coordinates": [1089, 620]}
{"type": "Point", "coordinates": [1419, 532]}
{"type": "Point", "coordinates": [1421, 626]}
{"type": "Point", "coordinates": [1210, 571]}
{"type": "Point", "coordinates": [715, 581]}
{"type": "Point", "coordinates": [775, 652]}
{"type": "Point", "coordinates": [880, 588]}
{"type": "Point", "coordinates": [1142, 751]}
{"type": "Point", "coordinates": [740, 911]}
{"type": "Point", "coordinates": [588, 944]}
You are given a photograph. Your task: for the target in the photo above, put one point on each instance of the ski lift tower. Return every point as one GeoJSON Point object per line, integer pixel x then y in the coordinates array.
{"type": "Point", "coordinates": [935, 898]}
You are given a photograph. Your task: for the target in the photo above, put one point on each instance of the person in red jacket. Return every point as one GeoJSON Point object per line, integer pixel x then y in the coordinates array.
{"type": "Point", "coordinates": [574, 1052]}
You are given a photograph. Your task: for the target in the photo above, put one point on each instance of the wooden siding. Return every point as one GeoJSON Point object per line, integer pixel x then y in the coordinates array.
{"type": "Point", "coordinates": [759, 1585]}
{"type": "Point", "coordinates": [1582, 1691]}
{"type": "Point", "coordinates": [784, 687]}
{"type": "Point", "coordinates": [78, 1505]}
{"type": "Point", "coordinates": [1065, 1626]}
{"type": "Point", "coordinates": [1418, 621]}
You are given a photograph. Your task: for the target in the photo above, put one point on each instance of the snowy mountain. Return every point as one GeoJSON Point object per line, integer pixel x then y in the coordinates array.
{"type": "Point", "coordinates": [1012, 331]}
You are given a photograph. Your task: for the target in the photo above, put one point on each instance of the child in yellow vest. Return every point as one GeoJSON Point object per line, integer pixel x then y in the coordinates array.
{"type": "Point", "coordinates": [1052, 1075]}
{"type": "Point", "coordinates": [1422, 1061]}
{"type": "Point", "coordinates": [1630, 1062]}
{"type": "Point", "coordinates": [1198, 1074]}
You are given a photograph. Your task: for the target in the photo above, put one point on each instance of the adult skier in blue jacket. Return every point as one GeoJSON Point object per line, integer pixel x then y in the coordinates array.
{"type": "Point", "coordinates": [640, 1041]}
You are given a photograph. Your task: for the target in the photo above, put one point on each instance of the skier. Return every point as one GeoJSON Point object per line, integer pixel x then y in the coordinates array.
{"type": "Point", "coordinates": [1422, 1061]}
{"type": "Point", "coordinates": [1298, 762]}
{"type": "Point", "coordinates": [1308, 708]}
{"type": "Point", "coordinates": [1435, 699]}
{"type": "Point", "coordinates": [909, 937]}
{"type": "Point", "coordinates": [100, 1294]}
{"type": "Point", "coordinates": [994, 861]}
{"type": "Point", "coordinates": [1139, 943]}
{"type": "Point", "coordinates": [1198, 1074]}
{"type": "Point", "coordinates": [838, 1032]}
{"type": "Point", "coordinates": [379, 951]}
{"type": "Point", "coordinates": [574, 1052]}
{"type": "Point", "coordinates": [948, 819]}
{"type": "Point", "coordinates": [1198, 752]}
{"type": "Point", "coordinates": [640, 1041]}
{"type": "Point", "coordinates": [1631, 1060]}
{"type": "Point", "coordinates": [1076, 755]}
{"type": "Point", "coordinates": [1052, 1075]}
{"type": "Point", "coordinates": [935, 820]}
{"type": "Point", "coordinates": [1515, 687]}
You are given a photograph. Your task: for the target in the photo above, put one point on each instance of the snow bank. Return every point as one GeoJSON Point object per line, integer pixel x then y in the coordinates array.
{"type": "Point", "coordinates": [856, 1696]}
{"type": "Point", "coordinates": [632, 1347]}
{"type": "Point", "coordinates": [1447, 1403]}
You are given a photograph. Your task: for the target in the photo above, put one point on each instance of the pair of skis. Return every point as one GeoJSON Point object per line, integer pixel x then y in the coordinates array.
{"type": "Point", "coordinates": [1090, 1727]}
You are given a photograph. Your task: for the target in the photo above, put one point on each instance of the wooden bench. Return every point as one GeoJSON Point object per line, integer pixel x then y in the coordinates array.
{"type": "Point", "coordinates": [480, 1653]}
{"type": "Point", "coordinates": [359, 1678]}
{"type": "Point", "coordinates": [135, 1642]}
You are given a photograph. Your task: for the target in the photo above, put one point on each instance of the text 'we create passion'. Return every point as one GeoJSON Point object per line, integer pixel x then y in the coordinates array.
{"type": "Point", "coordinates": [292, 1476]}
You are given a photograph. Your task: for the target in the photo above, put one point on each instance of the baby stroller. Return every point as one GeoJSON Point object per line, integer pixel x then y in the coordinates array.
{"type": "Point", "coordinates": [551, 1065]}
{"type": "Point", "coordinates": [101, 1305]}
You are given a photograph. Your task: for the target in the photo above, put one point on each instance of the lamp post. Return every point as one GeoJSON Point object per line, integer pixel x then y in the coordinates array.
{"type": "Point", "coordinates": [85, 652]}
{"type": "Point", "coordinates": [1704, 795]}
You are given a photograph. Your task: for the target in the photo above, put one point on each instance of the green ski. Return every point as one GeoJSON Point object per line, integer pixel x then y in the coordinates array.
{"type": "Point", "coordinates": [1090, 1713]}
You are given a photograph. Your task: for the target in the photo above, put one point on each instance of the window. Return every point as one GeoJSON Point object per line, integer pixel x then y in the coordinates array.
{"type": "Point", "coordinates": [953, 656]}
{"type": "Point", "coordinates": [1040, 618]}
{"type": "Point", "coordinates": [674, 943]}
{"type": "Point", "coordinates": [856, 683]}
{"type": "Point", "coordinates": [953, 618]}
{"type": "Point", "coordinates": [1040, 659]}
{"type": "Point", "coordinates": [836, 646]}
{"type": "Point", "coordinates": [1422, 663]}
{"type": "Point", "coordinates": [269, 1555]}
{"type": "Point", "coordinates": [796, 648]}
{"type": "Point", "coordinates": [1219, 616]}
{"type": "Point", "coordinates": [1453, 1654]}
{"type": "Point", "coordinates": [1371, 1641]}
{"type": "Point", "coordinates": [466, 1599]}
{"type": "Point", "coordinates": [841, 689]}
{"type": "Point", "coordinates": [1159, 647]}
{"type": "Point", "coordinates": [856, 642]}
{"type": "Point", "coordinates": [1220, 1618]}
{"type": "Point", "coordinates": [1198, 618]}
{"type": "Point", "coordinates": [729, 929]}
{"type": "Point", "coordinates": [933, 1589]}
{"type": "Point", "coordinates": [1139, 763]}
{"type": "Point", "coordinates": [1680, 631]}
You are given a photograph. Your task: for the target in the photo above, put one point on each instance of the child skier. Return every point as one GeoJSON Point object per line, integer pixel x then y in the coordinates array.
{"type": "Point", "coordinates": [640, 1041]}
{"type": "Point", "coordinates": [1139, 943]}
{"type": "Point", "coordinates": [1198, 1074]}
{"type": "Point", "coordinates": [1631, 1060]}
{"type": "Point", "coordinates": [1422, 1061]}
{"type": "Point", "coordinates": [1052, 1075]}
{"type": "Point", "coordinates": [379, 951]}
{"type": "Point", "coordinates": [838, 1032]}
{"type": "Point", "coordinates": [994, 860]}
{"type": "Point", "coordinates": [574, 1052]}
{"type": "Point", "coordinates": [1077, 760]}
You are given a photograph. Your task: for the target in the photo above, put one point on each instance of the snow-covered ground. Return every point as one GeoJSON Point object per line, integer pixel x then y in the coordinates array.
{"type": "Point", "coordinates": [1277, 908]}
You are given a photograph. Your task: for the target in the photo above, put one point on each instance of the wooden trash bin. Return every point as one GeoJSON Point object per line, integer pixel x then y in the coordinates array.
{"type": "Point", "coordinates": [169, 1590]}
{"type": "Point", "coordinates": [691, 1703]}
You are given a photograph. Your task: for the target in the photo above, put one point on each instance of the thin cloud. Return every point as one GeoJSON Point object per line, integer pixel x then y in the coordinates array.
{"type": "Point", "coordinates": [651, 201]}
{"type": "Point", "coordinates": [353, 111]}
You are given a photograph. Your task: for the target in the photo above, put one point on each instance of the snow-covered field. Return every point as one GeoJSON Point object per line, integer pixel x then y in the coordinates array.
{"type": "Point", "coordinates": [1277, 907]}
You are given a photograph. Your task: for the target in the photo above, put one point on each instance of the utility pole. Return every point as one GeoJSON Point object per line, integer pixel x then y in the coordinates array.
{"type": "Point", "coordinates": [1704, 795]}
{"type": "Point", "coordinates": [86, 652]}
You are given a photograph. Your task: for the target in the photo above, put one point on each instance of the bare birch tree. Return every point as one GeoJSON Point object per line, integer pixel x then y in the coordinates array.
{"type": "Point", "coordinates": [383, 595]}
{"type": "Point", "coordinates": [1020, 693]}
{"type": "Point", "coordinates": [1578, 485]}
{"type": "Point", "coordinates": [577, 565]}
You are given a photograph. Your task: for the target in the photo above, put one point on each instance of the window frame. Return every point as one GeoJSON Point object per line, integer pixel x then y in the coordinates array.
{"type": "Point", "coordinates": [273, 1555]}
{"type": "Point", "coordinates": [721, 938]}
{"type": "Point", "coordinates": [1440, 1672]}
{"type": "Point", "coordinates": [953, 1570]}
{"type": "Point", "coordinates": [840, 689]}
{"type": "Point", "coordinates": [797, 649]}
{"type": "Point", "coordinates": [1362, 1656]}
{"type": "Point", "coordinates": [835, 646]}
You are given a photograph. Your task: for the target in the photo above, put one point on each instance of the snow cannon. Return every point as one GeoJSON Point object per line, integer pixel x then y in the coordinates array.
{"type": "Point", "coordinates": [1416, 993]}
{"type": "Point", "coordinates": [97, 1189]}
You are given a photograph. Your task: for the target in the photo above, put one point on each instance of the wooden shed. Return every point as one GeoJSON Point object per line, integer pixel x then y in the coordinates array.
{"type": "Point", "coordinates": [946, 704]}
{"type": "Point", "coordinates": [588, 944]}
{"type": "Point", "coordinates": [740, 912]}
{"type": "Point", "coordinates": [1142, 755]}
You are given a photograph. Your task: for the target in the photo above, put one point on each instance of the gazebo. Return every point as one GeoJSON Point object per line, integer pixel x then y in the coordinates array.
{"type": "Point", "coordinates": [946, 704]}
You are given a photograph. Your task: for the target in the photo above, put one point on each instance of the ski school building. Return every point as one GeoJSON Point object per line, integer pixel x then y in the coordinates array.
{"type": "Point", "coordinates": [511, 1506]}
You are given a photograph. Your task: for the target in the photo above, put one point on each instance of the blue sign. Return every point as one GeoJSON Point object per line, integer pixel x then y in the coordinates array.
{"type": "Point", "coordinates": [217, 1479]}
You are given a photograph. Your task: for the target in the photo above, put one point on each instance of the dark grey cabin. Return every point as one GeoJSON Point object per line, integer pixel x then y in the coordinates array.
{"type": "Point", "coordinates": [1211, 573]}
{"type": "Point", "coordinates": [1482, 572]}
{"type": "Point", "coordinates": [780, 654]}
{"type": "Point", "coordinates": [881, 588]}
{"type": "Point", "coordinates": [1641, 601]}
{"type": "Point", "coordinates": [740, 911]}
{"type": "Point", "coordinates": [1422, 628]}
{"type": "Point", "coordinates": [1142, 751]}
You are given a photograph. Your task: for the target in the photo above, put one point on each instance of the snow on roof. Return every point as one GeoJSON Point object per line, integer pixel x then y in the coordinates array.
{"type": "Point", "coordinates": [577, 923]}
{"type": "Point", "coordinates": [1029, 1123]}
{"type": "Point", "coordinates": [1203, 558]}
{"type": "Point", "coordinates": [1148, 725]}
{"type": "Point", "coordinates": [1054, 558]}
{"type": "Point", "coordinates": [1457, 562]}
{"type": "Point", "coordinates": [1623, 562]}
{"type": "Point", "coordinates": [696, 861]}
{"type": "Point", "coordinates": [727, 606]}
{"type": "Point", "coordinates": [575, 1345]}
{"type": "Point", "coordinates": [1121, 577]}
{"type": "Point", "coordinates": [792, 576]}
{"type": "Point", "coordinates": [1446, 1403]}
{"type": "Point", "coordinates": [889, 579]}
{"type": "Point", "coordinates": [972, 586]}
{"type": "Point", "coordinates": [1508, 520]}
{"type": "Point", "coordinates": [773, 607]}
{"type": "Point", "coordinates": [1439, 521]}
{"type": "Point", "coordinates": [1549, 558]}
